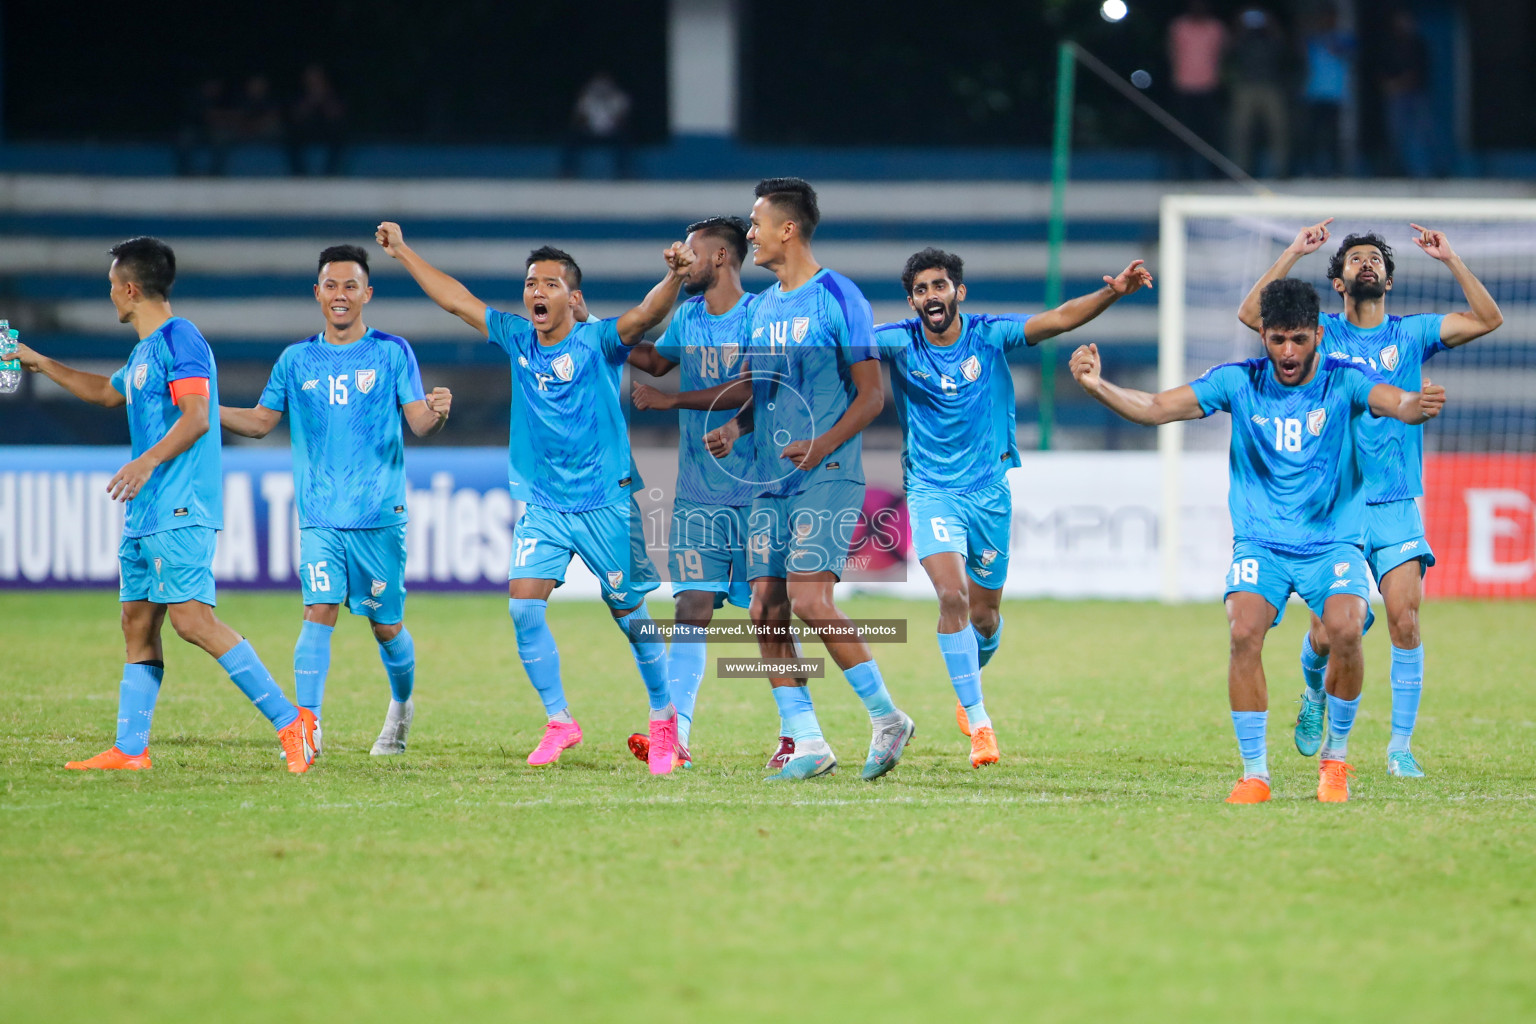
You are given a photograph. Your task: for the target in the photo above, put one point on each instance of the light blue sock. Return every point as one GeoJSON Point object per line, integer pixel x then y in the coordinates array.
{"type": "Point", "coordinates": [1250, 726]}
{"type": "Point", "coordinates": [797, 715]}
{"type": "Point", "coordinates": [866, 682]}
{"type": "Point", "coordinates": [986, 646]}
{"type": "Point", "coordinates": [962, 658]}
{"type": "Point", "coordinates": [1341, 719]}
{"type": "Point", "coordinates": [650, 655]}
{"type": "Point", "coordinates": [1407, 685]}
{"type": "Point", "coordinates": [311, 664]}
{"type": "Point", "coordinates": [136, 696]}
{"type": "Point", "coordinates": [536, 646]}
{"type": "Point", "coordinates": [686, 657]}
{"type": "Point", "coordinates": [399, 658]}
{"type": "Point", "coordinates": [247, 672]}
{"type": "Point", "coordinates": [1313, 666]}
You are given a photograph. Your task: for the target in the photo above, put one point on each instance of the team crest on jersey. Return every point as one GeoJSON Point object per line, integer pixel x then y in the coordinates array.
{"type": "Point", "coordinates": [988, 556]}
{"type": "Point", "coordinates": [1315, 420]}
{"type": "Point", "coordinates": [615, 577]}
{"type": "Point", "coordinates": [365, 379]}
{"type": "Point", "coordinates": [564, 366]}
{"type": "Point", "coordinates": [1340, 568]}
{"type": "Point", "coordinates": [971, 368]}
{"type": "Point", "coordinates": [799, 328]}
{"type": "Point", "coordinates": [1389, 358]}
{"type": "Point", "coordinates": [730, 351]}
{"type": "Point", "coordinates": [377, 587]}
{"type": "Point", "coordinates": [140, 375]}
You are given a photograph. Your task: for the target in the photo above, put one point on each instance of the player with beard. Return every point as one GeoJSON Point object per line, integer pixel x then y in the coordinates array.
{"type": "Point", "coordinates": [1392, 453]}
{"type": "Point", "coordinates": [569, 463]}
{"type": "Point", "coordinates": [954, 398]}
{"type": "Point", "coordinates": [707, 547]}
{"type": "Point", "coordinates": [1297, 502]}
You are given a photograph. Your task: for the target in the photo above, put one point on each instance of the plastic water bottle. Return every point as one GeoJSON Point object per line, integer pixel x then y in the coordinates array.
{"type": "Point", "coordinates": [10, 369]}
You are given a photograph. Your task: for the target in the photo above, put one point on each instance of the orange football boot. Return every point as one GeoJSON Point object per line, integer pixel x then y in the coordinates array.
{"type": "Point", "coordinates": [983, 747]}
{"type": "Point", "coordinates": [113, 760]}
{"type": "Point", "coordinates": [962, 719]}
{"type": "Point", "coordinates": [1333, 782]}
{"type": "Point", "coordinates": [298, 740]}
{"type": "Point", "coordinates": [1249, 790]}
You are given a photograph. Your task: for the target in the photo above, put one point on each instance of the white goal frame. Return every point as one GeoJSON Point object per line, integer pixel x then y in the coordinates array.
{"type": "Point", "coordinates": [1172, 273]}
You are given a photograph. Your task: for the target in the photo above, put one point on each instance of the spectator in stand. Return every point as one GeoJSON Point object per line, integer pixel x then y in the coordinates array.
{"type": "Point", "coordinates": [1196, 41]}
{"type": "Point", "coordinates": [1258, 60]}
{"type": "Point", "coordinates": [208, 127]}
{"type": "Point", "coordinates": [317, 118]}
{"type": "Point", "coordinates": [600, 119]}
{"type": "Point", "coordinates": [1330, 55]}
{"type": "Point", "coordinates": [1405, 86]}
{"type": "Point", "coordinates": [261, 119]}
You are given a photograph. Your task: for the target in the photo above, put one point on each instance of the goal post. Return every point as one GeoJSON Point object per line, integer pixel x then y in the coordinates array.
{"type": "Point", "coordinates": [1212, 248]}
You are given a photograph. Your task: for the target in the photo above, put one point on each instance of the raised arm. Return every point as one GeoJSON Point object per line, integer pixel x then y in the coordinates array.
{"type": "Point", "coordinates": [1483, 316]}
{"type": "Point", "coordinates": [1137, 406]}
{"type": "Point", "coordinates": [1075, 312]}
{"type": "Point", "coordinates": [92, 387]}
{"type": "Point", "coordinates": [192, 424]}
{"type": "Point", "coordinates": [429, 415]}
{"type": "Point", "coordinates": [1411, 407]}
{"type": "Point", "coordinates": [442, 289]}
{"type": "Point", "coordinates": [1307, 240]}
{"type": "Point", "coordinates": [643, 356]}
{"type": "Point", "coordinates": [653, 309]}
{"type": "Point", "coordinates": [257, 421]}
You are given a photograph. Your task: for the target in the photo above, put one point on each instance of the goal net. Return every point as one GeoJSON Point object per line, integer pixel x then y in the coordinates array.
{"type": "Point", "coordinates": [1480, 454]}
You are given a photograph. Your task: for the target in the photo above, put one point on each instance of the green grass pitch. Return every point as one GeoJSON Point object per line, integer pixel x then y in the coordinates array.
{"type": "Point", "coordinates": [1094, 875]}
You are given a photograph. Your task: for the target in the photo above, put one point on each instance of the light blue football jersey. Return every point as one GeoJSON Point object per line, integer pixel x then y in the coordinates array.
{"type": "Point", "coordinates": [1296, 482]}
{"type": "Point", "coordinates": [709, 350]}
{"type": "Point", "coordinates": [189, 489]}
{"type": "Point", "coordinates": [343, 404]}
{"type": "Point", "coordinates": [955, 402]}
{"type": "Point", "coordinates": [569, 444]}
{"type": "Point", "coordinates": [802, 349]}
{"type": "Point", "coordinates": [1391, 451]}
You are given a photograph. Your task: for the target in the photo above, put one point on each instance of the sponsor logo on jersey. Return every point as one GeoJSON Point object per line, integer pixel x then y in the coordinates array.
{"type": "Point", "coordinates": [365, 379]}
{"type": "Point", "coordinates": [691, 349]}
{"type": "Point", "coordinates": [1389, 358]}
{"type": "Point", "coordinates": [564, 366]}
{"type": "Point", "coordinates": [1408, 546]}
{"type": "Point", "coordinates": [377, 587]}
{"type": "Point", "coordinates": [920, 374]}
{"type": "Point", "coordinates": [158, 563]}
{"type": "Point", "coordinates": [988, 556]}
{"type": "Point", "coordinates": [730, 351]}
{"type": "Point", "coordinates": [1315, 420]}
{"type": "Point", "coordinates": [971, 368]}
{"type": "Point", "coordinates": [1262, 421]}
{"type": "Point", "coordinates": [615, 577]}
{"type": "Point", "coordinates": [984, 573]}
{"type": "Point", "coordinates": [800, 327]}
{"type": "Point", "coordinates": [1339, 355]}
{"type": "Point", "coordinates": [757, 332]}
{"type": "Point", "coordinates": [310, 385]}
{"type": "Point", "coordinates": [1340, 568]}
{"type": "Point", "coordinates": [371, 603]}
{"type": "Point", "coordinates": [620, 595]}
{"type": "Point", "coordinates": [522, 361]}
{"type": "Point", "coordinates": [1337, 584]}
{"type": "Point", "coordinates": [140, 374]}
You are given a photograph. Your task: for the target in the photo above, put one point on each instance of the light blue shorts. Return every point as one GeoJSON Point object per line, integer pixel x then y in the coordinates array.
{"type": "Point", "coordinates": [1275, 575]}
{"type": "Point", "coordinates": [1394, 534]}
{"type": "Point", "coordinates": [806, 532]}
{"type": "Point", "coordinates": [365, 569]}
{"type": "Point", "coordinates": [708, 551]}
{"type": "Point", "coordinates": [974, 525]}
{"type": "Point", "coordinates": [609, 540]}
{"type": "Point", "coordinates": [168, 567]}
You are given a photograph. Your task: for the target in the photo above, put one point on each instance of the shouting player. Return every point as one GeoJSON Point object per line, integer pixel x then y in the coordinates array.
{"type": "Point", "coordinates": [954, 398]}
{"type": "Point", "coordinates": [345, 390]}
{"type": "Point", "coordinates": [1297, 506]}
{"type": "Point", "coordinates": [707, 547]}
{"type": "Point", "coordinates": [815, 387]}
{"type": "Point", "coordinates": [174, 488]}
{"type": "Point", "coordinates": [569, 463]}
{"type": "Point", "coordinates": [1391, 453]}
